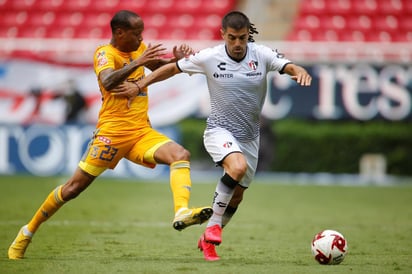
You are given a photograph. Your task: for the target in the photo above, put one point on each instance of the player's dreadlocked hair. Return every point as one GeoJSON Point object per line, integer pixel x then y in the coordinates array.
{"type": "Point", "coordinates": [238, 20]}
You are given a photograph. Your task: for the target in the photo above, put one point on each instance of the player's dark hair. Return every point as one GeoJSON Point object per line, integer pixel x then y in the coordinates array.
{"type": "Point", "coordinates": [238, 20]}
{"type": "Point", "coordinates": [122, 19]}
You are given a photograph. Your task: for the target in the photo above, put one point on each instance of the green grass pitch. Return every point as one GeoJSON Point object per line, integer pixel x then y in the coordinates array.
{"type": "Point", "coordinates": [124, 226]}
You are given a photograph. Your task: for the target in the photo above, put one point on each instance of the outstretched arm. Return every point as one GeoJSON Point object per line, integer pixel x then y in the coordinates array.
{"type": "Point", "coordinates": [178, 53]}
{"type": "Point", "coordinates": [299, 74]}
{"type": "Point", "coordinates": [111, 78]}
{"type": "Point", "coordinates": [160, 74]}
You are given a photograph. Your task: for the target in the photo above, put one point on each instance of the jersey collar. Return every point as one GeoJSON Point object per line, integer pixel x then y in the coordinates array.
{"type": "Point", "coordinates": [237, 60]}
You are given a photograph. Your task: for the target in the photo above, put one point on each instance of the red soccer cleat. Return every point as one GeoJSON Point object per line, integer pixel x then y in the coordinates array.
{"type": "Point", "coordinates": [213, 235]}
{"type": "Point", "coordinates": [208, 249]}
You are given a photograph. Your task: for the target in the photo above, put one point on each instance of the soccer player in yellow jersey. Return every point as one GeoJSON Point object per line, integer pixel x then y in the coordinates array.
{"type": "Point", "coordinates": [123, 129]}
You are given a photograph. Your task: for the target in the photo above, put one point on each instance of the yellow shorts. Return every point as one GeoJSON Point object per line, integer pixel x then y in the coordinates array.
{"type": "Point", "coordinates": [106, 151]}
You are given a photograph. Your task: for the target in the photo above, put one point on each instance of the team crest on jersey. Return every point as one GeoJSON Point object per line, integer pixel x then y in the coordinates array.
{"type": "Point", "coordinates": [227, 144]}
{"type": "Point", "coordinates": [94, 151]}
{"type": "Point", "coordinates": [101, 58]}
{"type": "Point", "coordinates": [253, 65]}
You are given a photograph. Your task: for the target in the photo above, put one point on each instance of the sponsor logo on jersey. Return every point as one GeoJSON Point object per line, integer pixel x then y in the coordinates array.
{"type": "Point", "coordinates": [104, 139]}
{"type": "Point", "coordinates": [223, 75]}
{"type": "Point", "coordinates": [252, 74]}
{"type": "Point", "coordinates": [222, 65]}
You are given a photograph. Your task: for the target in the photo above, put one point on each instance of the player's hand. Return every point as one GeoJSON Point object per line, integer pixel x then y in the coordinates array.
{"type": "Point", "coordinates": [302, 77]}
{"type": "Point", "coordinates": [152, 54]}
{"type": "Point", "coordinates": [127, 89]}
{"type": "Point", "coordinates": [182, 51]}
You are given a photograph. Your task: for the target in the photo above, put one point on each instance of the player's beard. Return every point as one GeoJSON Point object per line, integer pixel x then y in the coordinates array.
{"type": "Point", "coordinates": [238, 52]}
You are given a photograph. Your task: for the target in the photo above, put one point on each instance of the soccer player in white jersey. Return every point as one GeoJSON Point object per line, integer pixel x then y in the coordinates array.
{"type": "Point", "coordinates": [236, 77]}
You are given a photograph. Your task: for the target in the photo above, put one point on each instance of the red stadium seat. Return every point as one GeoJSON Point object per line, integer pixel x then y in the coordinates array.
{"type": "Point", "coordinates": [48, 5]}
{"type": "Point", "coordinates": [159, 6]}
{"type": "Point", "coordinates": [300, 35]}
{"type": "Point", "coordinates": [94, 17]}
{"type": "Point", "coordinates": [40, 18]}
{"type": "Point", "coordinates": [324, 35]}
{"type": "Point", "coordinates": [402, 36]}
{"type": "Point", "coordinates": [219, 7]}
{"type": "Point", "coordinates": [369, 7]}
{"type": "Point", "coordinates": [351, 36]}
{"type": "Point", "coordinates": [14, 18]}
{"type": "Point", "coordinates": [393, 7]}
{"type": "Point", "coordinates": [60, 32]}
{"type": "Point", "coordinates": [335, 22]}
{"type": "Point", "coordinates": [407, 7]}
{"type": "Point", "coordinates": [338, 7]}
{"type": "Point", "coordinates": [9, 32]}
{"type": "Point", "coordinates": [32, 32]}
{"type": "Point", "coordinates": [353, 20]}
{"type": "Point", "coordinates": [385, 23]}
{"type": "Point", "coordinates": [307, 22]}
{"type": "Point", "coordinates": [105, 5]}
{"type": "Point", "coordinates": [405, 23]}
{"type": "Point", "coordinates": [378, 36]}
{"type": "Point", "coordinates": [157, 20]}
{"type": "Point", "coordinates": [359, 22]}
{"type": "Point", "coordinates": [188, 6]}
{"type": "Point", "coordinates": [79, 5]}
{"type": "Point", "coordinates": [70, 19]}
{"type": "Point", "coordinates": [312, 7]}
{"type": "Point", "coordinates": [22, 5]}
{"type": "Point", "coordinates": [133, 5]}
{"type": "Point", "coordinates": [92, 33]}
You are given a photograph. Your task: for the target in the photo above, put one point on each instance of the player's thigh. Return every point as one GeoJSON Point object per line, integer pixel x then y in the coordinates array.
{"type": "Point", "coordinates": [219, 143]}
{"type": "Point", "coordinates": [103, 153]}
{"type": "Point", "coordinates": [171, 152]}
{"type": "Point", "coordinates": [144, 149]}
{"type": "Point", "coordinates": [251, 153]}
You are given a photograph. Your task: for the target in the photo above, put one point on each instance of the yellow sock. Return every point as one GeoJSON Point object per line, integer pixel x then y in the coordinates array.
{"type": "Point", "coordinates": [52, 203]}
{"type": "Point", "coordinates": [180, 183]}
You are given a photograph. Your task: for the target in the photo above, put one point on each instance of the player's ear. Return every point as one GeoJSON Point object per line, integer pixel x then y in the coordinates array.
{"type": "Point", "coordinates": [222, 33]}
{"type": "Point", "coordinates": [118, 31]}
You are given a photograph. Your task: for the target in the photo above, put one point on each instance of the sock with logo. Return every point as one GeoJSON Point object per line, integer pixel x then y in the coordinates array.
{"type": "Point", "coordinates": [223, 193]}
{"type": "Point", "coordinates": [180, 183]}
{"type": "Point", "coordinates": [52, 203]}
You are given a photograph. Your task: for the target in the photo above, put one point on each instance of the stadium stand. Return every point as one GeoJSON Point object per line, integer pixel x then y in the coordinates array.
{"type": "Point", "coordinates": [310, 30]}
{"type": "Point", "coordinates": [353, 20]}
{"type": "Point", "coordinates": [166, 19]}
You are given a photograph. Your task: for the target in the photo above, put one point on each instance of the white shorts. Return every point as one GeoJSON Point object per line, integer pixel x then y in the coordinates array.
{"type": "Point", "coordinates": [220, 142]}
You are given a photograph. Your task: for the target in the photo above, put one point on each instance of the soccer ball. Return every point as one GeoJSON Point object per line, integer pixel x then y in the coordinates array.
{"type": "Point", "coordinates": [329, 247]}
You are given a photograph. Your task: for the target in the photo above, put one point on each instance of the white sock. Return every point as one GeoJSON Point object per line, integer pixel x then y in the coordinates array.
{"type": "Point", "coordinates": [223, 194]}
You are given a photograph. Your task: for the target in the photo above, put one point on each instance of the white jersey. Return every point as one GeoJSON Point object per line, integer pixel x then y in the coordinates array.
{"type": "Point", "coordinates": [237, 88]}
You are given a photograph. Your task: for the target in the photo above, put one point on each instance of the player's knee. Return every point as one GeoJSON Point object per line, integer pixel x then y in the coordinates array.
{"type": "Point", "coordinates": [238, 170]}
{"type": "Point", "coordinates": [181, 154]}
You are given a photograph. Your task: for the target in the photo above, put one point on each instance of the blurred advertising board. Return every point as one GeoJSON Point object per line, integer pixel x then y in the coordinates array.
{"type": "Point", "coordinates": [45, 150]}
{"type": "Point", "coordinates": [339, 91]}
